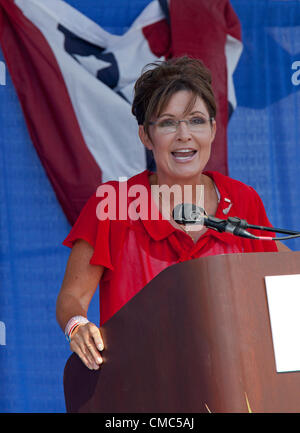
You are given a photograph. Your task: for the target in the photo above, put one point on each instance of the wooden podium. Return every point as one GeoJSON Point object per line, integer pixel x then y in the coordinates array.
{"type": "Point", "coordinates": [197, 338]}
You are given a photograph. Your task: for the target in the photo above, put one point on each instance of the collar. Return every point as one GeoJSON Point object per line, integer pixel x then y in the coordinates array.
{"type": "Point", "coordinates": [162, 228]}
{"type": "Point", "coordinates": [157, 229]}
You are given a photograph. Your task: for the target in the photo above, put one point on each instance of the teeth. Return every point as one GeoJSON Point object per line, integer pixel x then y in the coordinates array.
{"type": "Point", "coordinates": [184, 154]}
{"type": "Point", "coordinates": [185, 150]}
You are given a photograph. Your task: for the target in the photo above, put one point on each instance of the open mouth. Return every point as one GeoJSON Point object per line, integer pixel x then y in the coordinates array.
{"type": "Point", "coordinates": [184, 155]}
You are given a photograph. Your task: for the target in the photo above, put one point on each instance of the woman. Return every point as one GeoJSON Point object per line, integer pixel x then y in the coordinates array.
{"type": "Point", "coordinates": [175, 109]}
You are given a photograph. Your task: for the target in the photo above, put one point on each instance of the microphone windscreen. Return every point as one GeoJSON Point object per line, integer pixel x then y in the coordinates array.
{"type": "Point", "coordinates": [188, 213]}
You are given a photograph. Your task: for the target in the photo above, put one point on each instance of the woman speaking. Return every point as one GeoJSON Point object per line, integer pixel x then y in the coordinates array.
{"type": "Point", "coordinates": [175, 109]}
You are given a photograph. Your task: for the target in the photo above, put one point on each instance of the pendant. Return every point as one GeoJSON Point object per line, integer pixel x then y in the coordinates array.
{"type": "Point", "coordinates": [227, 209]}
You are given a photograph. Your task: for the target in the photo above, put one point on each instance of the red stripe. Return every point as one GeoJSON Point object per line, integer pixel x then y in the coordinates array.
{"type": "Point", "coordinates": [232, 22]}
{"type": "Point", "coordinates": [158, 36]}
{"type": "Point", "coordinates": [48, 111]}
{"type": "Point", "coordinates": [199, 29]}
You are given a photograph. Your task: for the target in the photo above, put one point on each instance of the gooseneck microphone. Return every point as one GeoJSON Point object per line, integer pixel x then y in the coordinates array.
{"type": "Point", "coordinates": [187, 213]}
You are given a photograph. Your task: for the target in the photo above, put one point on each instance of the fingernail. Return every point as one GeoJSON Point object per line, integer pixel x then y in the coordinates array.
{"type": "Point", "coordinates": [100, 346]}
{"type": "Point", "coordinates": [94, 366]}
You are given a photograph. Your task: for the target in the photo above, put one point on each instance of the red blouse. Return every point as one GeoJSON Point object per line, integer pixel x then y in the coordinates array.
{"type": "Point", "coordinates": [133, 252]}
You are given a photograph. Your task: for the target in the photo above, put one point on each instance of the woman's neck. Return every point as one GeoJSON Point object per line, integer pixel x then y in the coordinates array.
{"type": "Point", "coordinates": [189, 190]}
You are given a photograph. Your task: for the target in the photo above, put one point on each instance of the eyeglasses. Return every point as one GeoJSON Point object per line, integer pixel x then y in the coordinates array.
{"type": "Point", "coordinates": [195, 124]}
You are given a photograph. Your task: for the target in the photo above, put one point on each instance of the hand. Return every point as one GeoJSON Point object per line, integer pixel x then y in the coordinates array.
{"type": "Point", "coordinates": [86, 342]}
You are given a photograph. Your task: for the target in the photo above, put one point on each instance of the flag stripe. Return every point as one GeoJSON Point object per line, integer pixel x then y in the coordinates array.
{"type": "Point", "coordinates": [48, 111]}
{"type": "Point", "coordinates": [200, 30]}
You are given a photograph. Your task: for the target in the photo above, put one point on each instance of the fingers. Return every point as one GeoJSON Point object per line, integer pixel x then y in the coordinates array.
{"type": "Point", "coordinates": [84, 356]}
{"type": "Point", "coordinates": [86, 342]}
{"type": "Point", "coordinates": [96, 335]}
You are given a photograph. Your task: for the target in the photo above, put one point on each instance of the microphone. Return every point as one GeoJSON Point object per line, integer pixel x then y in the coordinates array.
{"type": "Point", "coordinates": [187, 213]}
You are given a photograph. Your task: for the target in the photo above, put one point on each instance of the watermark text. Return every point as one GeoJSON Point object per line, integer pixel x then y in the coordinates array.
{"type": "Point", "coordinates": [296, 75]}
{"type": "Point", "coordinates": [2, 334]}
{"type": "Point", "coordinates": [2, 74]}
{"type": "Point", "coordinates": [137, 202]}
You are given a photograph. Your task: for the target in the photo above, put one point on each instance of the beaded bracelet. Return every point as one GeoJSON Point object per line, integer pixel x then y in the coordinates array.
{"type": "Point", "coordinates": [72, 323]}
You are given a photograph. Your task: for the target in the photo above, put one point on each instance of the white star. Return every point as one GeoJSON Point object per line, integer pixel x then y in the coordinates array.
{"type": "Point", "coordinates": [92, 63]}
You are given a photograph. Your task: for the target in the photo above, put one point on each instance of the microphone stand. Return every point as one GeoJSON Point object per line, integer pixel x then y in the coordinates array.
{"type": "Point", "coordinates": [236, 226]}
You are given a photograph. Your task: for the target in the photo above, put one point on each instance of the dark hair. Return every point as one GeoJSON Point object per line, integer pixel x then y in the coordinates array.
{"type": "Point", "coordinates": [154, 88]}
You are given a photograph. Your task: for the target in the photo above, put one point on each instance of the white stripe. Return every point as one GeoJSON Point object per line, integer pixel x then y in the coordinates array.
{"type": "Point", "coordinates": [233, 51]}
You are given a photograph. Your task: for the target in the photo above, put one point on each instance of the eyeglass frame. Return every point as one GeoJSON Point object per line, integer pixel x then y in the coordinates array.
{"type": "Point", "coordinates": [186, 121]}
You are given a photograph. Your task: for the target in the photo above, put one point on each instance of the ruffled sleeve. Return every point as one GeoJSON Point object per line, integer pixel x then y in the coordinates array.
{"type": "Point", "coordinates": [94, 231]}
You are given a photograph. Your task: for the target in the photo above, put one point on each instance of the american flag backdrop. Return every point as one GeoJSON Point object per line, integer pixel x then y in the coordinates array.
{"type": "Point", "coordinates": [75, 83]}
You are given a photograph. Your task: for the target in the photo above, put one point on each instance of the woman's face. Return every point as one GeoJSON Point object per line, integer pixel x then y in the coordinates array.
{"type": "Point", "coordinates": [180, 154]}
